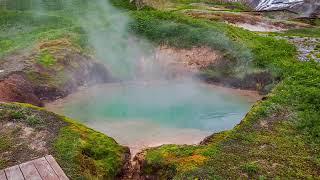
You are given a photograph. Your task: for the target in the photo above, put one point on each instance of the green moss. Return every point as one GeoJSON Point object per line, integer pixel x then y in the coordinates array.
{"type": "Point", "coordinates": [88, 154]}
{"type": "Point", "coordinates": [17, 114]}
{"type": "Point", "coordinates": [46, 59]}
{"type": "Point", "coordinates": [6, 44]}
{"type": "Point", "coordinates": [304, 32]}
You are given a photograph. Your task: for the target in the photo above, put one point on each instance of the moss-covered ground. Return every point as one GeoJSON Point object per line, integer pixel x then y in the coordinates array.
{"type": "Point", "coordinates": [80, 151]}
{"type": "Point", "coordinates": [279, 137]}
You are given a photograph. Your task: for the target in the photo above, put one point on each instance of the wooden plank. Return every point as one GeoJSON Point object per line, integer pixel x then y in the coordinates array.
{"type": "Point", "coordinates": [44, 169]}
{"type": "Point", "coordinates": [29, 171]}
{"type": "Point", "coordinates": [14, 173]}
{"type": "Point", "coordinates": [2, 175]}
{"type": "Point", "coordinates": [57, 169]}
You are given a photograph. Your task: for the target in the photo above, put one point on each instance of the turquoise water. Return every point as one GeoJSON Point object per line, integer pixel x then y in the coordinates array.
{"type": "Point", "coordinates": [156, 111]}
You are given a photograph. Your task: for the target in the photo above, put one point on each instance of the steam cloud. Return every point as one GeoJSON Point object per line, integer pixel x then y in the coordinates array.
{"type": "Point", "coordinates": [311, 7]}
{"type": "Point", "coordinates": [107, 31]}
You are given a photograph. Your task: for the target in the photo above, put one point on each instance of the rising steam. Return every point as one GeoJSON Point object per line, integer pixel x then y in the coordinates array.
{"type": "Point", "coordinates": [107, 31]}
{"type": "Point", "coordinates": [310, 7]}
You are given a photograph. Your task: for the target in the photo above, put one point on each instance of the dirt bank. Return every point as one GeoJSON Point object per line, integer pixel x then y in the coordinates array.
{"type": "Point", "coordinates": [28, 132]}
{"type": "Point", "coordinates": [251, 95]}
{"type": "Point", "coordinates": [204, 63]}
{"type": "Point", "coordinates": [167, 62]}
{"type": "Point", "coordinates": [186, 61]}
{"type": "Point", "coordinates": [252, 21]}
{"type": "Point", "coordinates": [51, 70]}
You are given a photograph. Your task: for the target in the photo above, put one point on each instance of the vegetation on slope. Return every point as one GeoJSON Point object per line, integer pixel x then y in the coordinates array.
{"type": "Point", "coordinates": [245, 53]}
{"type": "Point", "coordinates": [173, 5]}
{"type": "Point", "coordinates": [21, 29]}
{"type": "Point", "coordinates": [306, 32]}
{"type": "Point", "coordinates": [279, 137]}
{"type": "Point", "coordinates": [32, 132]}
{"type": "Point", "coordinates": [50, 70]}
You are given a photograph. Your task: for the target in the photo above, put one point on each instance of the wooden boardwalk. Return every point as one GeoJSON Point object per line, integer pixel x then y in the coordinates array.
{"type": "Point", "coordinates": [45, 168]}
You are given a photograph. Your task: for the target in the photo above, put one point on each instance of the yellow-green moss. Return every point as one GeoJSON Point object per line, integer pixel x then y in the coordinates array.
{"type": "Point", "coordinates": [46, 59]}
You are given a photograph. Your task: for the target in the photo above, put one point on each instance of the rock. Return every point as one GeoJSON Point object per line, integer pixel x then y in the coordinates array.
{"type": "Point", "coordinates": [305, 8]}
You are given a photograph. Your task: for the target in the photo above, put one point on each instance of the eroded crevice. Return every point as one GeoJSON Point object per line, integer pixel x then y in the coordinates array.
{"type": "Point", "coordinates": [132, 170]}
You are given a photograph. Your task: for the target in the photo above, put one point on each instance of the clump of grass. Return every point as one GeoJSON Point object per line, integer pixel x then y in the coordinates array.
{"type": "Point", "coordinates": [4, 143]}
{"type": "Point", "coordinates": [17, 114]}
{"type": "Point", "coordinates": [6, 44]}
{"type": "Point", "coordinates": [250, 168]}
{"type": "Point", "coordinates": [2, 163]}
{"type": "Point", "coordinates": [33, 121]}
{"type": "Point", "coordinates": [46, 59]}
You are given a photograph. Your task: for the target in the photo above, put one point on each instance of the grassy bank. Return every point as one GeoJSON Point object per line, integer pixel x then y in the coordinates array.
{"type": "Point", "coordinates": [307, 32]}
{"type": "Point", "coordinates": [81, 152]}
{"type": "Point", "coordinates": [279, 137]}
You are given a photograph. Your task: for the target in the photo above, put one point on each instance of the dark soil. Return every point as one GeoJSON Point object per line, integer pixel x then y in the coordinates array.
{"type": "Point", "coordinates": [254, 81]}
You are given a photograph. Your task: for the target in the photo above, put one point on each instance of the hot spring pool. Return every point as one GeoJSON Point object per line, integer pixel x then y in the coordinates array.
{"type": "Point", "coordinates": [141, 115]}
